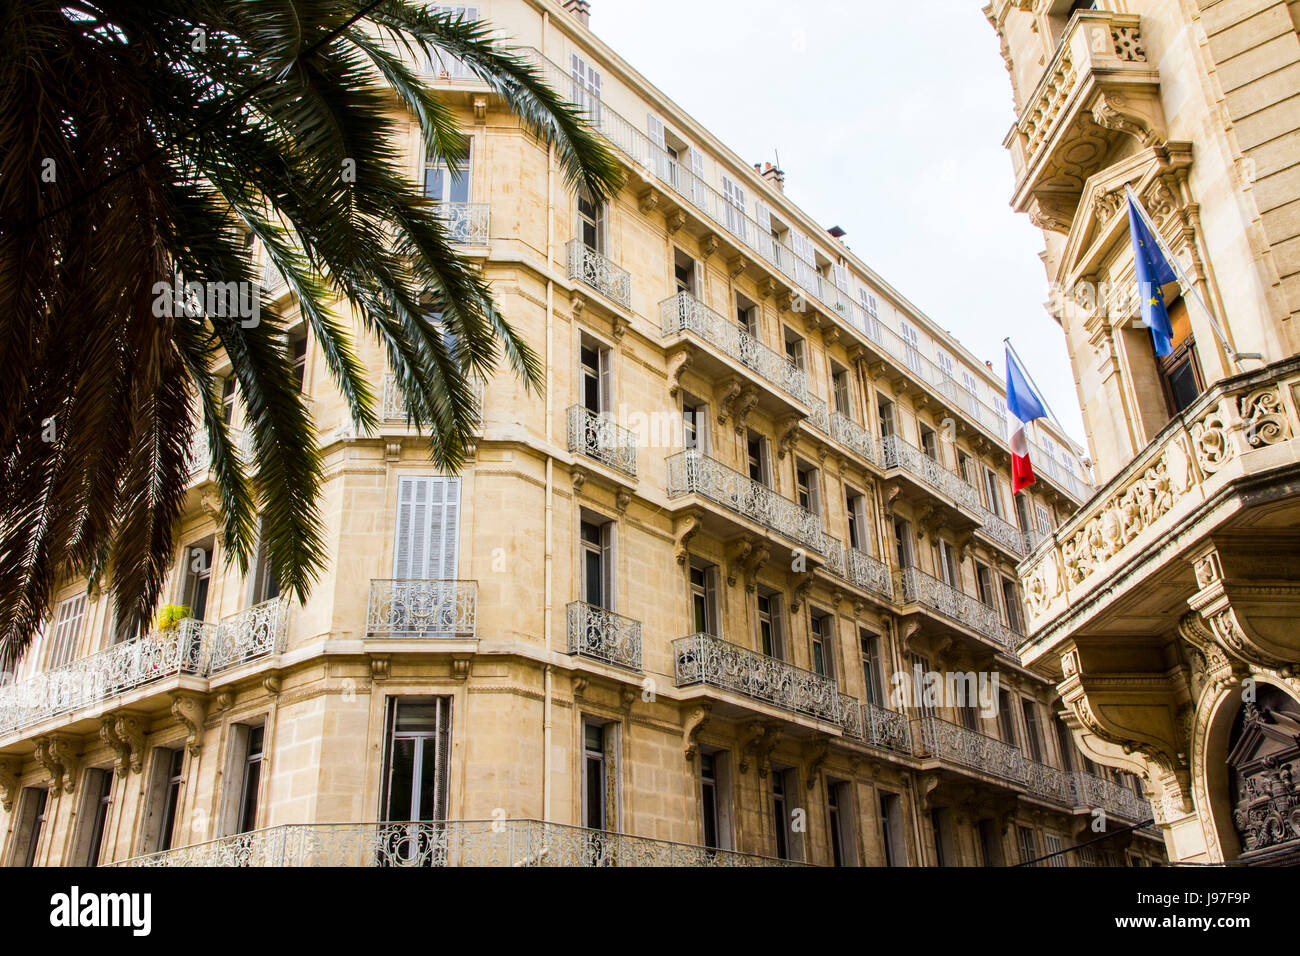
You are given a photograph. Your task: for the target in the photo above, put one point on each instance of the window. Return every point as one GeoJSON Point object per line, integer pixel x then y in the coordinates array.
{"type": "Point", "coordinates": [946, 383]}
{"type": "Point", "coordinates": [805, 262]}
{"type": "Point", "coordinates": [758, 459]}
{"type": "Point", "coordinates": [911, 347]}
{"type": "Point", "coordinates": [252, 780]}
{"type": "Point", "coordinates": [715, 799]}
{"type": "Point", "coordinates": [1011, 601]}
{"type": "Point", "coordinates": [597, 545]}
{"type": "Point", "coordinates": [443, 64]}
{"type": "Point", "coordinates": [695, 424]}
{"type": "Point", "coordinates": [971, 387]}
{"type": "Point", "coordinates": [785, 788]}
{"type": "Point", "coordinates": [1053, 844]}
{"type": "Point", "coordinates": [840, 390]}
{"type": "Point", "coordinates": [265, 585]}
{"type": "Point", "coordinates": [984, 585]}
{"type": "Point", "coordinates": [1180, 376]}
{"type": "Point", "coordinates": [228, 398]}
{"type": "Point", "coordinates": [733, 198]}
{"type": "Point", "coordinates": [67, 632]}
{"type": "Point", "coordinates": [887, 424]}
{"type": "Point", "coordinates": [591, 221]}
{"type": "Point", "coordinates": [990, 845]}
{"type": "Point", "coordinates": [993, 489]}
{"type": "Point", "coordinates": [447, 181]}
{"type": "Point", "coordinates": [684, 274]}
{"type": "Point", "coordinates": [1027, 845]}
{"type": "Point", "coordinates": [794, 348]}
{"type": "Point", "coordinates": [427, 535]}
{"type": "Point", "coordinates": [770, 635]}
{"type": "Point", "coordinates": [928, 702]}
{"type": "Point", "coordinates": [197, 577]}
{"type": "Point", "coordinates": [903, 543]}
{"type": "Point", "coordinates": [859, 527]}
{"type": "Point", "coordinates": [416, 758]}
{"type": "Point", "coordinates": [1033, 733]}
{"type": "Point", "coordinates": [586, 88]}
{"type": "Point", "coordinates": [872, 676]}
{"type": "Point", "coordinates": [1065, 743]}
{"type": "Point", "coordinates": [966, 468]}
{"type": "Point", "coordinates": [839, 814]}
{"type": "Point", "coordinates": [939, 830]}
{"type": "Point", "coordinates": [948, 565]}
{"type": "Point", "coordinates": [599, 790]}
{"type": "Point", "coordinates": [968, 716]}
{"type": "Point", "coordinates": [891, 828]}
{"type": "Point", "coordinates": [243, 778]}
{"type": "Point", "coordinates": [1007, 718]}
{"type": "Point", "coordinates": [96, 797]}
{"type": "Point", "coordinates": [808, 487]}
{"type": "Point", "coordinates": [1044, 520]}
{"type": "Point", "coordinates": [596, 377]}
{"type": "Point", "coordinates": [704, 598]}
{"type": "Point", "coordinates": [747, 315]}
{"type": "Point", "coordinates": [822, 628]}
{"type": "Point", "coordinates": [163, 801]}
{"type": "Point", "coordinates": [930, 442]}
{"type": "Point", "coordinates": [30, 825]}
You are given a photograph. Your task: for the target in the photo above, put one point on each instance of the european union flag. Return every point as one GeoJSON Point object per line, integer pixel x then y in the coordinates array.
{"type": "Point", "coordinates": [1153, 274]}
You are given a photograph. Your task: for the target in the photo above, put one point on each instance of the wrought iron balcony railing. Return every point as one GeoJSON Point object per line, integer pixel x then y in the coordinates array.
{"type": "Point", "coordinates": [896, 453]}
{"type": "Point", "coordinates": [1007, 535]}
{"type": "Point", "coordinates": [104, 674]}
{"type": "Point", "coordinates": [887, 728]}
{"type": "Point", "coordinates": [601, 439]}
{"type": "Point", "coordinates": [422, 609]}
{"type": "Point", "coordinates": [704, 659]}
{"type": "Point", "coordinates": [588, 266]}
{"type": "Point", "coordinates": [917, 587]}
{"type": "Point", "coordinates": [252, 633]}
{"type": "Point", "coordinates": [685, 313]}
{"type": "Point", "coordinates": [466, 223]}
{"type": "Point", "coordinates": [969, 748]}
{"type": "Point", "coordinates": [857, 567]}
{"type": "Point", "coordinates": [1090, 792]}
{"type": "Point", "coordinates": [691, 472]}
{"type": "Point", "coordinates": [1047, 782]}
{"type": "Point", "coordinates": [394, 411]}
{"type": "Point", "coordinates": [604, 636]}
{"type": "Point", "coordinates": [497, 843]}
{"type": "Point", "coordinates": [853, 437]}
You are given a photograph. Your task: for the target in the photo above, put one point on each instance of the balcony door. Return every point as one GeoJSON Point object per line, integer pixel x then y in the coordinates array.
{"type": "Point", "coordinates": [442, 184]}
{"type": "Point", "coordinates": [427, 542]}
{"type": "Point", "coordinates": [416, 775]}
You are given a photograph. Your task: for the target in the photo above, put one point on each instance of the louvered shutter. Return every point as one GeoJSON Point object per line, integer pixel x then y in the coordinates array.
{"type": "Point", "coordinates": [699, 191]}
{"type": "Point", "coordinates": [659, 147]}
{"type": "Point", "coordinates": [805, 267]}
{"type": "Point", "coordinates": [766, 246]}
{"type": "Point", "coordinates": [428, 529]}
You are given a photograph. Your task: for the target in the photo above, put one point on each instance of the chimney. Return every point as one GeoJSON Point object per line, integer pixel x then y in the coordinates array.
{"type": "Point", "coordinates": [774, 176]}
{"type": "Point", "coordinates": [580, 9]}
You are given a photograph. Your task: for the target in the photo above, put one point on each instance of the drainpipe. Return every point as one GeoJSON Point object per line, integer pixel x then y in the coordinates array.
{"type": "Point", "coordinates": [550, 473]}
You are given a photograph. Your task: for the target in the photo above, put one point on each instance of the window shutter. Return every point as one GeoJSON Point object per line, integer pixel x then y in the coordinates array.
{"type": "Point", "coordinates": [606, 383]}
{"type": "Point", "coordinates": [67, 628]}
{"type": "Point", "coordinates": [659, 154]}
{"type": "Point", "coordinates": [428, 529]}
{"type": "Point", "coordinates": [699, 191]}
{"type": "Point", "coordinates": [608, 562]}
{"type": "Point", "coordinates": [444, 553]}
{"type": "Point", "coordinates": [842, 276]}
{"type": "Point", "coordinates": [766, 247]}
{"type": "Point", "coordinates": [711, 600]}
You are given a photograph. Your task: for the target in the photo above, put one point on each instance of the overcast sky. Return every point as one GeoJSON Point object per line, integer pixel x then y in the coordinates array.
{"type": "Point", "coordinates": [889, 119]}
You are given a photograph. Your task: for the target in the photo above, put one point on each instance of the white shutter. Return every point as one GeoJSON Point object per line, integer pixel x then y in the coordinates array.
{"type": "Point", "coordinates": [428, 529]}
{"type": "Point", "coordinates": [766, 247]}
{"type": "Point", "coordinates": [608, 562]}
{"type": "Point", "coordinates": [734, 197]}
{"type": "Point", "coordinates": [699, 191]}
{"type": "Point", "coordinates": [805, 267]}
{"type": "Point", "coordinates": [606, 373]}
{"type": "Point", "coordinates": [659, 152]}
{"type": "Point", "coordinates": [67, 628]}
{"type": "Point", "coordinates": [842, 276]}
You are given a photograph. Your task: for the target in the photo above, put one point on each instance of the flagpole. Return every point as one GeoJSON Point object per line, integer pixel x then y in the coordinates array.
{"type": "Point", "coordinates": [1190, 288]}
{"type": "Point", "coordinates": [1034, 385]}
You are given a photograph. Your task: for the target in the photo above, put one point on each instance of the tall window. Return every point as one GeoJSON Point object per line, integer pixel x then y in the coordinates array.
{"type": "Point", "coordinates": [891, 829]}
{"type": "Point", "coordinates": [598, 563]}
{"type": "Point", "coordinates": [841, 391]}
{"type": "Point", "coordinates": [1007, 718]}
{"type": "Point", "coordinates": [1065, 743]}
{"type": "Point", "coordinates": [839, 815]}
{"type": "Point", "coordinates": [715, 799]}
{"type": "Point", "coordinates": [911, 347]}
{"type": "Point", "coordinates": [747, 315]}
{"type": "Point", "coordinates": [684, 274]}
{"type": "Point", "coordinates": [984, 584]}
{"type": "Point", "coordinates": [67, 631]}
{"type": "Point", "coordinates": [428, 524]}
{"type": "Point", "coordinates": [1027, 845]}
{"type": "Point", "coordinates": [807, 481]}
{"type": "Point", "coordinates": [704, 598]}
{"type": "Point", "coordinates": [993, 488]}
{"type": "Point", "coordinates": [859, 527]}
{"type": "Point", "coordinates": [990, 844]}
{"type": "Point", "coordinates": [733, 201]}
{"type": "Point", "coordinates": [872, 675]}
{"type": "Point", "coordinates": [1033, 732]}
{"type": "Point", "coordinates": [586, 88]}
{"type": "Point", "coordinates": [770, 637]}
{"type": "Point", "coordinates": [30, 824]}
{"type": "Point", "coordinates": [887, 424]}
{"type": "Point", "coordinates": [785, 789]}
{"type": "Point", "coordinates": [164, 799]}
{"type": "Point", "coordinates": [265, 585]}
{"type": "Point", "coordinates": [823, 642]}
{"type": "Point", "coordinates": [597, 377]}
{"type": "Point", "coordinates": [1180, 371]}
{"type": "Point", "coordinates": [695, 424]}
{"type": "Point", "coordinates": [758, 459]}
{"type": "Point", "coordinates": [243, 777]}
{"type": "Point", "coordinates": [599, 790]}
{"type": "Point", "coordinates": [298, 356]}
{"type": "Point", "coordinates": [930, 442]}
{"type": "Point", "coordinates": [198, 578]}
{"type": "Point", "coordinates": [228, 398]}
{"type": "Point", "coordinates": [1011, 601]}
{"type": "Point", "coordinates": [948, 565]}
{"type": "Point", "coordinates": [939, 831]}
{"type": "Point", "coordinates": [252, 779]}
{"type": "Point", "coordinates": [903, 543]}
{"type": "Point", "coordinates": [591, 221]}
{"type": "Point", "coordinates": [794, 348]}
{"type": "Point", "coordinates": [417, 760]}
{"type": "Point", "coordinates": [442, 183]}
{"type": "Point", "coordinates": [96, 796]}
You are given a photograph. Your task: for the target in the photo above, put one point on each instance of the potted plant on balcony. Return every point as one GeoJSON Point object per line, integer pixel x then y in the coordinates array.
{"type": "Point", "coordinates": [170, 615]}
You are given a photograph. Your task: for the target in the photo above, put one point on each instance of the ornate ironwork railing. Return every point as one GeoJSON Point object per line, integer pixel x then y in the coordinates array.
{"type": "Point", "coordinates": [1090, 791]}
{"type": "Point", "coordinates": [819, 416]}
{"type": "Point", "coordinates": [851, 717]}
{"type": "Point", "coordinates": [104, 674]}
{"type": "Point", "coordinates": [1007, 535]}
{"type": "Point", "coordinates": [501, 843]}
{"type": "Point", "coordinates": [394, 411]}
{"type": "Point", "coordinates": [887, 728]}
{"type": "Point", "coordinates": [704, 659]}
{"type": "Point", "coordinates": [604, 636]}
{"type": "Point", "coordinates": [600, 438]}
{"type": "Point", "coordinates": [252, 633]}
{"type": "Point", "coordinates": [917, 587]}
{"type": "Point", "coordinates": [588, 266]}
{"type": "Point", "coordinates": [423, 609]}
{"type": "Point", "coordinates": [691, 472]}
{"type": "Point", "coordinates": [970, 748]}
{"type": "Point", "coordinates": [857, 567]}
{"type": "Point", "coordinates": [466, 223]}
{"type": "Point", "coordinates": [1048, 783]}
{"type": "Point", "coordinates": [853, 437]}
{"type": "Point", "coordinates": [685, 313]}
{"type": "Point", "coordinates": [896, 453]}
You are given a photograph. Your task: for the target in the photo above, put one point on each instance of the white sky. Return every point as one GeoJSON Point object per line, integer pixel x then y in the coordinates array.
{"type": "Point", "coordinates": [889, 118]}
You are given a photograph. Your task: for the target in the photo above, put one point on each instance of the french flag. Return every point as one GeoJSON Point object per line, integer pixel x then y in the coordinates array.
{"type": "Point", "coordinates": [1023, 406]}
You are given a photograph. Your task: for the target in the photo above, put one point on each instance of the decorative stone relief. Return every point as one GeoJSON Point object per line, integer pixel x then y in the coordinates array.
{"type": "Point", "coordinates": [10, 767]}
{"type": "Point", "coordinates": [191, 710]}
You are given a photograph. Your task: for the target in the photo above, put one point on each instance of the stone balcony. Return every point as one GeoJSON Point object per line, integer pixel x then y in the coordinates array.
{"type": "Point", "coordinates": [1214, 482]}
{"type": "Point", "coordinates": [423, 610]}
{"type": "Point", "coordinates": [963, 613]}
{"type": "Point", "coordinates": [729, 495]}
{"type": "Point", "coordinates": [1097, 88]}
{"type": "Point", "coordinates": [604, 636]}
{"type": "Point", "coordinates": [600, 439]}
{"type": "Point", "coordinates": [598, 272]}
{"type": "Point", "coordinates": [449, 843]}
{"type": "Point", "coordinates": [717, 348]}
{"type": "Point", "coordinates": [702, 659]}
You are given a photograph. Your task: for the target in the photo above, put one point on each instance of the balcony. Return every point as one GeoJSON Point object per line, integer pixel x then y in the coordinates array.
{"type": "Point", "coordinates": [601, 440]}
{"type": "Point", "coordinates": [854, 437]}
{"type": "Point", "coordinates": [702, 659]}
{"type": "Point", "coordinates": [252, 633]}
{"type": "Point", "coordinates": [692, 473]}
{"type": "Point", "coordinates": [589, 267]}
{"type": "Point", "coordinates": [783, 385]}
{"type": "Point", "coordinates": [394, 410]}
{"type": "Point", "coordinates": [954, 744]}
{"type": "Point", "coordinates": [450, 843]}
{"type": "Point", "coordinates": [916, 587]}
{"type": "Point", "coordinates": [106, 674]}
{"type": "Point", "coordinates": [1048, 783]}
{"type": "Point", "coordinates": [604, 636]}
{"type": "Point", "coordinates": [923, 471]}
{"type": "Point", "coordinates": [465, 223]}
{"type": "Point", "coordinates": [1097, 89]}
{"type": "Point", "coordinates": [858, 568]}
{"type": "Point", "coordinates": [875, 726]}
{"type": "Point", "coordinates": [1089, 792]}
{"type": "Point", "coordinates": [1001, 533]}
{"type": "Point", "coordinates": [423, 610]}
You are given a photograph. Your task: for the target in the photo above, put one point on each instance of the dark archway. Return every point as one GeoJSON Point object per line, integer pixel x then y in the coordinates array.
{"type": "Point", "coordinates": [1264, 778]}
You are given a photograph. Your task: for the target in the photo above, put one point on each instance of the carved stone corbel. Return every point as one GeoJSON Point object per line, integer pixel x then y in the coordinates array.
{"type": "Point", "coordinates": [730, 394]}
{"type": "Point", "coordinates": [736, 265]}
{"type": "Point", "coordinates": [381, 667]}
{"type": "Point", "coordinates": [766, 287]}
{"type": "Point", "coordinates": [743, 406]}
{"type": "Point", "coordinates": [674, 221]}
{"type": "Point", "coordinates": [577, 304]}
{"type": "Point", "coordinates": [57, 755]}
{"type": "Point", "coordinates": [460, 667]}
{"type": "Point", "coordinates": [622, 498]}
{"type": "Point", "coordinates": [818, 749]}
{"type": "Point", "coordinates": [685, 527]}
{"type": "Point", "coordinates": [619, 326]}
{"type": "Point", "coordinates": [801, 589]}
{"type": "Point", "coordinates": [678, 362]}
{"type": "Point", "coordinates": [191, 710]}
{"type": "Point", "coordinates": [708, 245]}
{"type": "Point", "coordinates": [578, 476]}
{"type": "Point", "coordinates": [647, 200]}
{"type": "Point", "coordinates": [691, 727]}
{"type": "Point", "coordinates": [788, 435]}
{"type": "Point", "coordinates": [1249, 597]}
{"type": "Point", "coordinates": [758, 746]}
{"type": "Point", "coordinates": [10, 768]}
{"type": "Point", "coordinates": [124, 733]}
{"type": "Point", "coordinates": [889, 492]}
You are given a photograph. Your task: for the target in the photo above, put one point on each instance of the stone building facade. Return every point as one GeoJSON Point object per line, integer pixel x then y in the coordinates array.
{"type": "Point", "coordinates": [662, 613]}
{"type": "Point", "coordinates": [1165, 608]}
